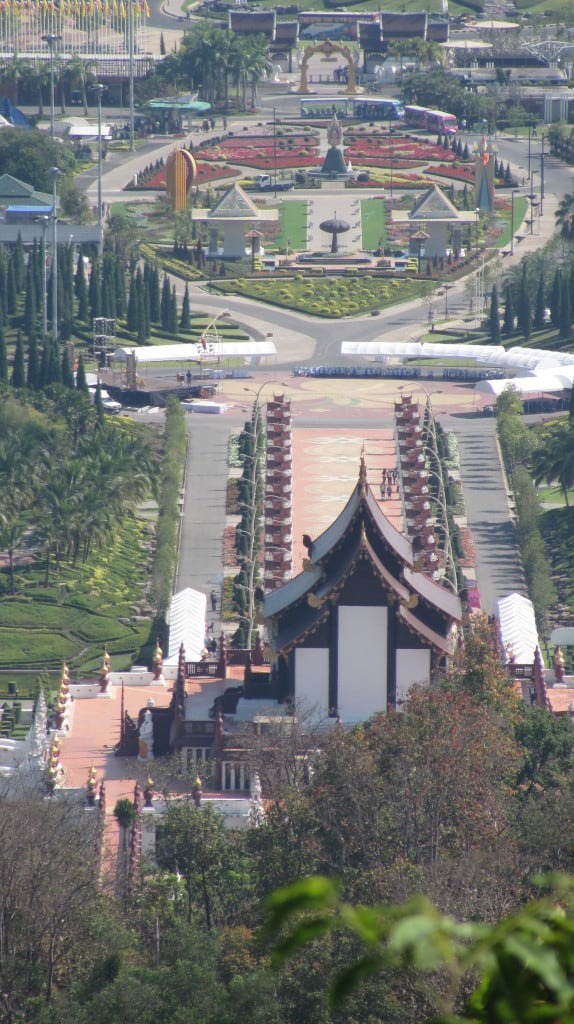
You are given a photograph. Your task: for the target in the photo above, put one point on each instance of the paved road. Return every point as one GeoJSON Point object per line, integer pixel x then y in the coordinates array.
{"type": "Point", "coordinates": [203, 522]}
{"type": "Point", "coordinates": [499, 568]}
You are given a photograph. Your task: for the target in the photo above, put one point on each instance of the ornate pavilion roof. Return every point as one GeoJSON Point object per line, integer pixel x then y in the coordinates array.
{"type": "Point", "coordinates": [362, 534]}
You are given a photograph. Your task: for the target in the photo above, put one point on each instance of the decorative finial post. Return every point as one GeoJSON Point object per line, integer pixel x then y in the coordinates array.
{"type": "Point", "coordinates": [558, 665]}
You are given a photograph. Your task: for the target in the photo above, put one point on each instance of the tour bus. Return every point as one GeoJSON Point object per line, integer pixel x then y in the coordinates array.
{"type": "Point", "coordinates": [360, 107]}
{"type": "Point", "coordinates": [432, 120]}
{"type": "Point", "coordinates": [377, 109]}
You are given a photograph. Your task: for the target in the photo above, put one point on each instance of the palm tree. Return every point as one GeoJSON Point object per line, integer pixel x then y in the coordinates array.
{"type": "Point", "coordinates": [13, 73]}
{"type": "Point", "coordinates": [41, 79]}
{"type": "Point", "coordinates": [554, 461]}
{"type": "Point", "coordinates": [78, 74]}
{"type": "Point", "coordinates": [565, 216]}
{"type": "Point", "coordinates": [258, 64]}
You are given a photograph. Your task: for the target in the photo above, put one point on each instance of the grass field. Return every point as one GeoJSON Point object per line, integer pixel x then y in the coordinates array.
{"type": "Point", "coordinates": [373, 224]}
{"type": "Point", "coordinates": [293, 224]}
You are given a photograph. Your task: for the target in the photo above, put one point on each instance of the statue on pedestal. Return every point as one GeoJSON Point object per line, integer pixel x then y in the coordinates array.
{"type": "Point", "coordinates": [157, 661]}
{"type": "Point", "coordinates": [558, 665]}
{"type": "Point", "coordinates": [146, 738]}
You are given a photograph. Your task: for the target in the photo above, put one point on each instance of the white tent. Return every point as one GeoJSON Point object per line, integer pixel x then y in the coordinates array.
{"type": "Point", "coordinates": [540, 383]}
{"type": "Point", "coordinates": [517, 627]}
{"type": "Point", "coordinates": [192, 352]}
{"type": "Point", "coordinates": [186, 625]}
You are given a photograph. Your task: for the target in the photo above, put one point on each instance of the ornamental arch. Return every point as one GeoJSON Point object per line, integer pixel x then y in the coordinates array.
{"type": "Point", "coordinates": [328, 48]}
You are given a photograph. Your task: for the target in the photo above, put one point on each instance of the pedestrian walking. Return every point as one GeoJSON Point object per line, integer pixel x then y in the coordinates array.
{"type": "Point", "coordinates": [213, 601]}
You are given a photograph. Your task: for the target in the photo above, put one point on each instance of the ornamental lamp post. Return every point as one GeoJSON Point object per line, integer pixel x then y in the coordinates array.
{"type": "Point", "coordinates": [51, 39]}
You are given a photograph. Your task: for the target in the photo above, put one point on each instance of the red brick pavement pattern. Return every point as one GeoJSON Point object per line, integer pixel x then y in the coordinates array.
{"type": "Point", "coordinates": [325, 472]}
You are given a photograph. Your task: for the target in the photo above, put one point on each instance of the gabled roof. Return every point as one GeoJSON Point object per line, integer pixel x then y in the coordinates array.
{"type": "Point", "coordinates": [253, 22]}
{"type": "Point", "coordinates": [235, 203]}
{"type": "Point", "coordinates": [400, 25]}
{"type": "Point", "coordinates": [11, 186]}
{"type": "Point", "coordinates": [362, 494]}
{"type": "Point", "coordinates": [356, 534]}
{"type": "Point", "coordinates": [433, 204]}
{"type": "Point", "coordinates": [286, 32]}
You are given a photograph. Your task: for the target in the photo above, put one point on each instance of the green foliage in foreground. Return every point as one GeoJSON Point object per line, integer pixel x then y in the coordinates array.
{"type": "Point", "coordinates": [350, 295]}
{"type": "Point", "coordinates": [524, 964]}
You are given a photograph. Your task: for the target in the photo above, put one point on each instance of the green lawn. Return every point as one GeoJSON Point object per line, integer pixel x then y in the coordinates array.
{"type": "Point", "coordinates": [293, 224]}
{"type": "Point", "coordinates": [373, 224]}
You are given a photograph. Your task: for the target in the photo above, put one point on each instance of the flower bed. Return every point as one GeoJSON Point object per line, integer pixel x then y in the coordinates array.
{"type": "Point", "coordinates": [205, 174]}
{"type": "Point", "coordinates": [465, 174]}
{"type": "Point", "coordinates": [386, 149]}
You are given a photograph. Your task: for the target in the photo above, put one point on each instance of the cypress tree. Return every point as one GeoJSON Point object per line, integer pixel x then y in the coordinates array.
{"type": "Point", "coordinates": [132, 314]}
{"type": "Point", "coordinates": [494, 319]}
{"type": "Point", "coordinates": [65, 288]}
{"type": "Point", "coordinates": [508, 323]}
{"type": "Point", "coordinates": [565, 311]}
{"type": "Point", "coordinates": [43, 376]}
{"type": "Point", "coordinates": [3, 358]}
{"type": "Point", "coordinates": [185, 320]}
{"type": "Point", "coordinates": [95, 291]}
{"type": "Point", "coordinates": [30, 308]}
{"type": "Point", "coordinates": [98, 405]}
{"type": "Point", "coordinates": [81, 289]}
{"type": "Point", "coordinates": [33, 376]}
{"type": "Point", "coordinates": [555, 299]}
{"type": "Point", "coordinates": [81, 382]}
{"type": "Point", "coordinates": [54, 369]}
{"type": "Point", "coordinates": [19, 264]}
{"type": "Point", "coordinates": [120, 282]}
{"type": "Point", "coordinates": [10, 288]}
{"type": "Point", "coordinates": [172, 323]}
{"type": "Point", "coordinates": [18, 366]}
{"type": "Point", "coordinates": [165, 303]}
{"type": "Point", "coordinates": [66, 369]}
{"type": "Point", "coordinates": [3, 281]}
{"type": "Point", "coordinates": [524, 307]}
{"type": "Point", "coordinates": [154, 296]}
{"type": "Point", "coordinates": [540, 308]}
{"type": "Point", "coordinates": [109, 286]}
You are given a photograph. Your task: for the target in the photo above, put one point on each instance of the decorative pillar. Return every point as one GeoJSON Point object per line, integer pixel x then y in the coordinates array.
{"type": "Point", "coordinates": [157, 662]}
{"type": "Point", "coordinates": [222, 658]}
{"type": "Point", "coordinates": [558, 665]}
{"type": "Point", "coordinates": [105, 672]}
{"type": "Point", "coordinates": [197, 792]}
{"type": "Point", "coordinates": [91, 787]}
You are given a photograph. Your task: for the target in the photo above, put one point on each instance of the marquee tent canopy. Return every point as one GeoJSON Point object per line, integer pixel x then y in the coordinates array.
{"type": "Point", "coordinates": [186, 625]}
{"type": "Point", "coordinates": [191, 352]}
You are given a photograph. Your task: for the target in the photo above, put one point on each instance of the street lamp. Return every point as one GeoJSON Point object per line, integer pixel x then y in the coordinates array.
{"type": "Point", "coordinates": [542, 155]}
{"type": "Point", "coordinates": [51, 39]}
{"type": "Point", "coordinates": [391, 157]}
{"type": "Point", "coordinates": [100, 89]}
{"type": "Point", "coordinates": [44, 222]}
{"type": "Point", "coordinates": [55, 172]}
{"type": "Point", "coordinates": [131, 72]}
{"type": "Point", "coordinates": [477, 212]}
{"type": "Point", "coordinates": [529, 149]}
{"type": "Point", "coordinates": [532, 202]}
{"type": "Point", "coordinates": [274, 151]}
{"type": "Point", "coordinates": [512, 195]}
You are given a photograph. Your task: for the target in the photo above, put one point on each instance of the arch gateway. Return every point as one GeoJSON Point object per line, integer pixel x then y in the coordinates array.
{"type": "Point", "coordinates": [328, 48]}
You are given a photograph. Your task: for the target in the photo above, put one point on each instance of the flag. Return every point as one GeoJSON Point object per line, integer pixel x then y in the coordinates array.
{"type": "Point", "coordinates": [116, 8]}
{"type": "Point", "coordinates": [146, 8]}
{"type": "Point", "coordinates": [123, 9]}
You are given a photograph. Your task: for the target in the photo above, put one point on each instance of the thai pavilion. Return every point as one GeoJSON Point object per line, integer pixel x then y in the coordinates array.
{"type": "Point", "coordinates": [361, 623]}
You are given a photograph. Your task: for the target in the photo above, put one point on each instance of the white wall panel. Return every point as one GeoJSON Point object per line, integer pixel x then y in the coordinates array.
{"type": "Point", "coordinates": [412, 666]}
{"type": "Point", "coordinates": [312, 678]}
{"type": "Point", "coordinates": [362, 661]}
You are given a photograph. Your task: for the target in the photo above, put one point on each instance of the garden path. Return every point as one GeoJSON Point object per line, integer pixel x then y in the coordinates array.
{"type": "Point", "coordinates": [342, 203]}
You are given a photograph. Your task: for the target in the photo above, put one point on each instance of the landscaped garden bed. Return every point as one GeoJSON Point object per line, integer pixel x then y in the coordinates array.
{"type": "Point", "coordinates": [349, 295]}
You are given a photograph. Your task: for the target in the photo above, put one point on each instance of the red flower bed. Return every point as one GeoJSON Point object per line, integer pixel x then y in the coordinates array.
{"type": "Point", "coordinates": [252, 151]}
{"type": "Point", "coordinates": [268, 163]}
{"type": "Point", "coordinates": [417, 152]}
{"type": "Point", "coordinates": [205, 173]}
{"type": "Point", "coordinates": [458, 173]}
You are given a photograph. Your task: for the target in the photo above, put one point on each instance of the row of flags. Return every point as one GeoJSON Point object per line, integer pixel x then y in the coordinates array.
{"type": "Point", "coordinates": [82, 8]}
